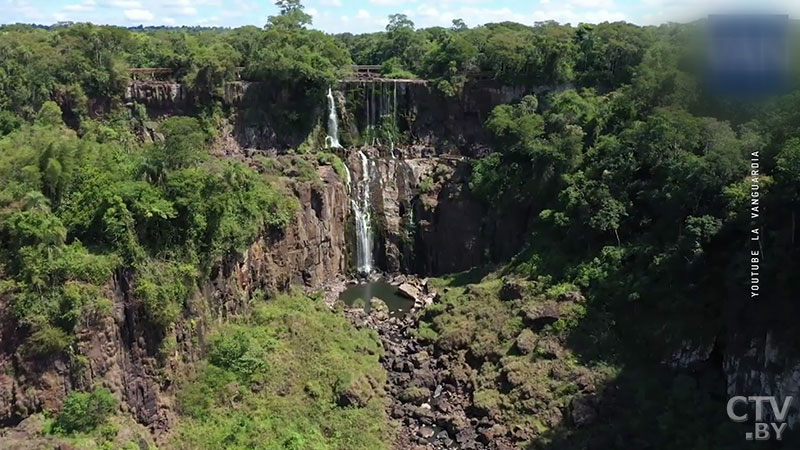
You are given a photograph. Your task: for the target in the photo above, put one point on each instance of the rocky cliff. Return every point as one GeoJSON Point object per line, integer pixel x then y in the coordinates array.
{"type": "Point", "coordinates": [160, 97]}
{"type": "Point", "coordinates": [122, 352]}
{"type": "Point", "coordinates": [418, 114]}
{"type": "Point", "coordinates": [426, 219]}
{"type": "Point", "coordinates": [269, 117]}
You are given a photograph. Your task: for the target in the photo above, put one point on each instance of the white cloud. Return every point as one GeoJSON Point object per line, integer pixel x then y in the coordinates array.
{"type": "Point", "coordinates": [426, 16]}
{"type": "Point", "coordinates": [210, 21]}
{"type": "Point", "coordinates": [87, 5]}
{"type": "Point", "coordinates": [390, 2]}
{"type": "Point", "coordinates": [592, 4]}
{"type": "Point", "coordinates": [125, 4]}
{"type": "Point", "coordinates": [186, 11]}
{"type": "Point", "coordinates": [141, 15]}
{"type": "Point", "coordinates": [312, 11]}
{"type": "Point", "coordinates": [336, 3]}
{"type": "Point", "coordinates": [363, 14]}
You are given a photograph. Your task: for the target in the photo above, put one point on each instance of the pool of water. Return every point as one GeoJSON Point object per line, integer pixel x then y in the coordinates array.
{"type": "Point", "coordinates": [380, 289]}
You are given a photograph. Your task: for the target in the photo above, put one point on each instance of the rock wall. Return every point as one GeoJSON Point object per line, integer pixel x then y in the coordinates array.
{"type": "Point", "coordinates": [161, 98]}
{"type": "Point", "coordinates": [426, 221]}
{"type": "Point", "coordinates": [122, 351]}
{"type": "Point", "coordinates": [424, 117]}
{"type": "Point", "coordinates": [422, 114]}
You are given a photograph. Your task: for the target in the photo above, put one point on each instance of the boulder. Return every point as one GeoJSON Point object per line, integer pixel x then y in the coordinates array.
{"type": "Point", "coordinates": [426, 432]}
{"type": "Point", "coordinates": [582, 412]}
{"type": "Point", "coordinates": [466, 438]}
{"type": "Point", "coordinates": [424, 377]}
{"type": "Point", "coordinates": [526, 341]}
{"type": "Point", "coordinates": [378, 309]}
{"type": "Point", "coordinates": [357, 393]}
{"type": "Point", "coordinates": [549, 348]}
{"type": "Point", "coordinates": [572, 296]}
{"type": "Point", "coordinates": [540, 314]}
{"type": "Point", "coordinates": [512, 290]}
{"type": "Point", "coordinates": [420, 358]}
{"type": "Point", "coordinates": [409, 290]}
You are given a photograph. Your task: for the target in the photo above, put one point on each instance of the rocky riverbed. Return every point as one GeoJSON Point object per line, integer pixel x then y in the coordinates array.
{"type": "Point", "coordinates": [432, 408]}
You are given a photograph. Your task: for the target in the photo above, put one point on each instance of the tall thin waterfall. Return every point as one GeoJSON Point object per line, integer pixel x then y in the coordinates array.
{"type": "Point", "coordinates": [361, 204]}
{"type": "Point", "coordinates": [332, 140]}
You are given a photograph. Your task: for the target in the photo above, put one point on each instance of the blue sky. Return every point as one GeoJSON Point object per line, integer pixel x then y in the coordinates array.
{"type": "Point", "coordinates": [362, 15]}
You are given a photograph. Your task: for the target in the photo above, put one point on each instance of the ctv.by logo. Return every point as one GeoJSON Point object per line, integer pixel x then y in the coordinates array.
{"type": "Point", "coordinates": [748, 54]}
{"type": "Point", "coordinates": [763, 430]}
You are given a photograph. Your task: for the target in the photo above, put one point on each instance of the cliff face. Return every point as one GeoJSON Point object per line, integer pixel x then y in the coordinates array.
{"type": "Point", "coordinates": [160, 97]}
{"type": "Point", "coordinates": [422, 114]}
{"type": "Point", "coordinates": [123, 353]}
{"type": "Point", "coordinates": [427, 221]}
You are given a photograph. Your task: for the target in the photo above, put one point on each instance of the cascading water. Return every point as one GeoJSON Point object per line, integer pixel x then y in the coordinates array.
{"type": "Point", "coordinates": [361, 204]}
{"type": "Point", "coordinates": [332, 140]}
{"type": "Point", "coordinates": [348, 180]}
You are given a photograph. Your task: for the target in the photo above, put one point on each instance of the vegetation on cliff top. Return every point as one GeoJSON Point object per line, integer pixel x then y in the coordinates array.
{"type": "Point", "coordinates": [74, 209]}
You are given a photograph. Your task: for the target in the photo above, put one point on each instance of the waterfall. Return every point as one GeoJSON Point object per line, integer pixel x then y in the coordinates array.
{"type": "Point", "coordinates": [361, 204]}
{"type": "Point", "coordinates": [348, 180]}
{"type": "Point", "coordinates": [332, 140]}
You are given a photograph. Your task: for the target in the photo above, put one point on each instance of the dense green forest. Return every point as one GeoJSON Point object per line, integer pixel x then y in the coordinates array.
{"type": "Point", "coordinates": [634, 180]}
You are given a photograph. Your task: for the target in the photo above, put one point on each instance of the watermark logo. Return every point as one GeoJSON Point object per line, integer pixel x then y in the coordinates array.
{"type": "Point", "coordinates": [769, 425]}
{"type": "Point", "coordinates": [748, 54]}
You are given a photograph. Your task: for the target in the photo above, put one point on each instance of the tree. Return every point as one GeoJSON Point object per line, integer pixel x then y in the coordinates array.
{"type": "Point", "coordinates": [292, 15]}
{"type": "Point", "coordinates": [49, 115]}
{"type": "Point", "coordinates": [459, 25]}
{"type": "Point", "coordinates": [183, 146]}
{"type": "Point", "coordinates": [788, 177]}
{"type": "Point", "coordinates": [399, 22]}
{"type": "Point", "coordinates": [83, 411]}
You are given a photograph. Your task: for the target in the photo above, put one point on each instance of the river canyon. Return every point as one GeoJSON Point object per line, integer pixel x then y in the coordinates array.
{"type": "Point", "coordinates": [372, 235]}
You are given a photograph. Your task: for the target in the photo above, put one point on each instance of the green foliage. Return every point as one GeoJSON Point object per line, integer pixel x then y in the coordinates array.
{"type": "Point", "coordinates": [334, 161]}
{"type": "Point", "coordinates": [642, 202]}
{"type": "Point", "coordinates": [183, 146]}
{"type": "Point", "coordinates": [63, 191]}
{"type": "Point", "coordinates": [164, 287]}
{"type": "Point", "coordinates": [415, 394]}
{"type": "Point", "coordinates": [48, 340]}
{"type": "Point", "coordinates": [84, 411]}
{"type": "Point", "coordinates": [277, 379]}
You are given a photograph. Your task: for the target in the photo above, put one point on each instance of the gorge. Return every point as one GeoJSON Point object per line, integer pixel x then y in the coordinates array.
{"type": "Point", "coordinates": [498, 237]}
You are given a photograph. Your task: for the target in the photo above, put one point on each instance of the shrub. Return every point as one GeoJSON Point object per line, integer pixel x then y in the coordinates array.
{"type": "Point", "coordinates": [84, 411]}
{"type": "Point", "coordinates": [426, 333]}
{"type": "Point", "coordinates": [488, 401]}
{"type": "Point", "coordinates": [242, 351]}
{"type": "Point", "coordinates": [163, 288]}
{"type": "Point", "coordinates": [334, 161]}
{"type": "Point", "coordinates": [426, 185]}
{"type": "Point", "coordinates": [415, 394]}
{"type": "Point", "coordinates": [48, 340]}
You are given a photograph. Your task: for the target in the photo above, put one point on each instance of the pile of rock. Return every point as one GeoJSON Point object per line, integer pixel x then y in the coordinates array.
{"type": "Point", "coordinates": [431, 404]}
{"type": "Point", "coordinates": [415, 288]}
